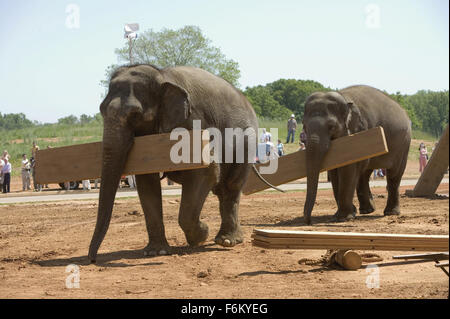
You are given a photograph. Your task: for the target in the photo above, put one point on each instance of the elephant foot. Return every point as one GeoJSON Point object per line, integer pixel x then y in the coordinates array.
{"type": "Point", "coordinates": [366, 211]}
{"type": "Point", "coordinates": [366, 206]}
{"type": "Point", "coordinates": [153, 249]}
{"type": "Point", "coordinates": [229, 239]}
{"type": "Point", "coordinates": [198, 235]}
{"type": "Point", "coordinates": [343, 217]}
{"type": "Point", "coordinates": [392, 212]}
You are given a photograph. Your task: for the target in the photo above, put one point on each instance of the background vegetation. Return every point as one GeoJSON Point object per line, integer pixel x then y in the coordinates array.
{"type": "Point", "coordinates": [273, 102]}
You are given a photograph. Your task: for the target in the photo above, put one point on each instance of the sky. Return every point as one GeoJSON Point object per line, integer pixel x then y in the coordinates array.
{"type": "Point", "coordinates": [53, 54]}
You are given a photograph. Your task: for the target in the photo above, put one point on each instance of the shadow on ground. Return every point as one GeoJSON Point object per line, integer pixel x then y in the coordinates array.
{"type": "Point", "coordinates": [108, 259]}
{"type": "Point", "coordinates": [327, 220]}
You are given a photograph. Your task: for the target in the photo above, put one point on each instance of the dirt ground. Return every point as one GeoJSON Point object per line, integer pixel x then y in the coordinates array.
{"type": "Point", "coordinates": [38, 241]}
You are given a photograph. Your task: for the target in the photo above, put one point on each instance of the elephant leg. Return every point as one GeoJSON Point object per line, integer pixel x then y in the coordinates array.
{"type": "Point", "coordinates": [365, 198]}
{"type": "Point", "coordinates": [195, 190]}
{"type": "Point", "coordinates": [393, 178]}
{"type": "Point", "coordinates": [347, 179]}
{"type": "Point", "coordinates": [149, 190]}
{"type": "Point", "coordinates": [333, 174]}
{"type": "Point", "coordinates": [334, 178]}
{"type": "Point", "coordinates": [229, 194]}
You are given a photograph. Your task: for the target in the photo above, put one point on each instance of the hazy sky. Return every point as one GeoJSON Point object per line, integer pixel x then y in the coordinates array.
{"type": "Point", "coordinates": [50, 67]}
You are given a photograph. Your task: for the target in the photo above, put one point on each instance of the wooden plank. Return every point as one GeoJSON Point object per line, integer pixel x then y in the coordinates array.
{"type": "Point", "coordinates": [291, 167]}
{"type": "Point", "coordinates": [285, 239]}
{"type": "Point", "coordinates": [149, 154]}
{"type": "Point", "coordinates": [351, 241]}
{"type": "Point", "coordinates": [434, 170]}
{"type": "Point", "coordinates": [442, 264]}
{"type": "Point", "coordinates": [430, 256]}
{"type": "Point", "coordinates": [354, 247]}
{"type": "Point", "coordinates": [337, 235]}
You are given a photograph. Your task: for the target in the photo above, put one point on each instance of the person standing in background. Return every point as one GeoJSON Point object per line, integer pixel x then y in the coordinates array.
{"type": "Point", "coordinates": [291, 127]}
{"type": "Point", "coordinates": [303, 136]}
{"type": "Point", "coordinates": [6, 172]}
{"type": "Point", "coordinates": [37, 187]}
{"type": "Point", "coordinates": [423, 157]}
{"type": "Point", "coordinates": [2, 163]}
{"type": "Point", "coordinates": [34, 149]}
{"type": "Point", "coordinates": [280, 148]}
{"type": "Point", "coordinates": [26, 167]}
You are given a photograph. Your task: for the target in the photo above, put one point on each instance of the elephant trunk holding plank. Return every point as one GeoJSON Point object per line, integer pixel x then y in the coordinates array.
{"type": "Point", "coordinates": [143, 100]}
{"type": "Point", "coordinates": [335, 114]}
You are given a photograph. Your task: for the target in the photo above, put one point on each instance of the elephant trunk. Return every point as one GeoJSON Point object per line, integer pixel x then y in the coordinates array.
{"type": "Point", "coordinates": [316, 149]}
{"type": "Point", "coordinates": [117, 142]}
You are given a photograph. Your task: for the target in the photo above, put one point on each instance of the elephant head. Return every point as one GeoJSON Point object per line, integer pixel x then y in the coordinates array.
{"type": "Point", "coordinates": [141, 100]}
{"type": "Point", "coordinates": [327, 117]}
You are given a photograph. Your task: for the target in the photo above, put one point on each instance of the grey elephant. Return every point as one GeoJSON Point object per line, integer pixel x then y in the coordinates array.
{"type": "Point", "coordinates": [142, 100]}
{"type": "Point", "coordinates": [335, 114]}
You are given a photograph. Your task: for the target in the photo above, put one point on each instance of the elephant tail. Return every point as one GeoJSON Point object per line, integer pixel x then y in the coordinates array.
{"type": "Point", "coordinates": [265, 181]}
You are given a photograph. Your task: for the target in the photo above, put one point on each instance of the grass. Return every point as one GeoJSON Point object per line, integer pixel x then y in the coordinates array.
{"type": "Point", "coordinates": [18, 142]}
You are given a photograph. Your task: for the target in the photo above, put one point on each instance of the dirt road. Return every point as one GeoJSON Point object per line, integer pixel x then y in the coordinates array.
{"type": "Point", "coordinates": [39, 240]}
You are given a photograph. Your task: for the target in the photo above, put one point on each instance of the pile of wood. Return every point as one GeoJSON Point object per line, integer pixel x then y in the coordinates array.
{"type": "Point", "coordinates": [283, 239]}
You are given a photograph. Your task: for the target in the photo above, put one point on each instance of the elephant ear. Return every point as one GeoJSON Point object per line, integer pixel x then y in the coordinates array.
{"type": "Point", "coordinates": [353, 120]}
{"type": "Point", "coordinates": [175, 106]}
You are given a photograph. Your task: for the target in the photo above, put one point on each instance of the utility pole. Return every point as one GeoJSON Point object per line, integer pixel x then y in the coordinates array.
{"type": "Point", "coordinates": [130, 34]}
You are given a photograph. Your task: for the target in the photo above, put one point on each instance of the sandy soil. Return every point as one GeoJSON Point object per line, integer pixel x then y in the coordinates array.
{"type": "Point", "coordinates": [38, 241]}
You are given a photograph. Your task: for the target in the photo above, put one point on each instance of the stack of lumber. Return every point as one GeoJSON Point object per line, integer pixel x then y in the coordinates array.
{"type": "Point", "coordinates": [284, 239]}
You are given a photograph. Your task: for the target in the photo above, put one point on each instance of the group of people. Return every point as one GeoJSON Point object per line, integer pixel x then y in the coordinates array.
{"type": "Point", "coordinates": [26, 167]}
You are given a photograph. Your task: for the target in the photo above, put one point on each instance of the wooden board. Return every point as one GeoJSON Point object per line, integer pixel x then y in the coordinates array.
{"type": "Point", "coordinates": [434, 170]}
{"type": "Point", "coordinates": [149, 154]}
{"type": "Point", "coordinates": [363, 145]}
{"type": "Point", "coordinates": [346, 235]}
{"type": "Point", "coordinates": [283, 239]}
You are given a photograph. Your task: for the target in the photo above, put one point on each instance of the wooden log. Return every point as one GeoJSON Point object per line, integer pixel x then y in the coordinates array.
{"type": "Point", "coordinates": [434, 170]}
{"type": "Point", "coordinates": [363, 145]}
{"type": "Point", "coordinates": [283, 239]}
{"type": "Point", "coordinates": [149, 154]}
{"type": "Point", "coordinates": [348, 259]}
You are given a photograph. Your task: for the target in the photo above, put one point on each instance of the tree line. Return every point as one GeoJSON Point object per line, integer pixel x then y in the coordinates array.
{"type": "Point", "coordinates": [13, 121]}
{"type": "Point", "coordinates": [428, 110]}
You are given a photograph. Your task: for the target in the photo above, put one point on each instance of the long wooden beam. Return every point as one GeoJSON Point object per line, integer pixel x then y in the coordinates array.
{"type": "Point", "coordinates": [434, 170]}
{"type": "Point", "coordinates": [343, 151]}
{"type": "Point", "coordinates": [338, 240]}
{"type": "Point", "coordinates": [149, 154]}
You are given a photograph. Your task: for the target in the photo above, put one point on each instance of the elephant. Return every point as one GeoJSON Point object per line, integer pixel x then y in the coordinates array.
{"type": "Point", "coordinates": [334, 114]}
{"type": "Point", "coordinates": [143, 99]}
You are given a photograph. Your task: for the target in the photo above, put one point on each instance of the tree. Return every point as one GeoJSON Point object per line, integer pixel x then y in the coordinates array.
{"type": "Point", "coordinates": [185, 46]}
{"type": "Point", "coordinates": [292, 94]}
{"type": "Point", "coordinates": [13, 121]}
{"type": "Point", "coordinates": [265, 105]}
{"type": "Point", "coordinates": [68, 120]}
{"type": "Point", "coordinates": [432, 110]}
{"type": "Point", "coordinates": [404, 102]}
